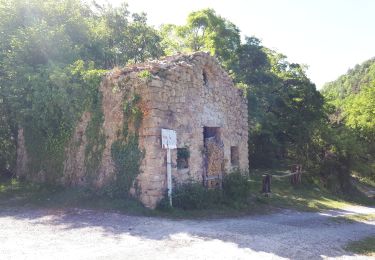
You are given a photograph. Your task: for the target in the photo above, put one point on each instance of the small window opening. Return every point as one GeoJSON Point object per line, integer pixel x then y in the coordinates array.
{"type": "Point", "coordinates": [205, 80]}
{"type": "Point", "coordinates": [183, 155]}
{"type": "Point", "coordinates": [209, 132]}
{"type": "Point", "coordinates": [234, 156]}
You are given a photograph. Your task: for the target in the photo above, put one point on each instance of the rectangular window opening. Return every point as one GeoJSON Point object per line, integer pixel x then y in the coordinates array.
{"type": "Point", "coordinates": [209, 132]}
{"type": "Point", "coordinates": [183, 155]}
{"type": "Point", "coordinates": [234, 156]}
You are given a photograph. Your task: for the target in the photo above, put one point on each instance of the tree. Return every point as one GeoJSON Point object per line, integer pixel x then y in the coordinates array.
{"type": "Point", "coordinates": [205, 31]}
{"type": "Point", "coordinates": [141, 41]}
{"type": "Point", "coordinates": [359, 112]}
{"type": "Point", "coordinates": [352, 99]}
{"type": "Point", "coordinates": [51, 57]}
{"type": "Point", "coordinates": [119, 37]}
{"type": "Point", "coordinates": [253, 65]}
{"type": "Point", "coordinates": [284, 106]}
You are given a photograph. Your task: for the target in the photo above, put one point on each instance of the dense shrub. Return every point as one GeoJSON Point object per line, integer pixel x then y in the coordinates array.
{"type": "Point", "coordinates": [236, 186]}
{"type": "Point", "coordinates": [193, 195]}
{"type": "Point", "coordinates": [335, 173]}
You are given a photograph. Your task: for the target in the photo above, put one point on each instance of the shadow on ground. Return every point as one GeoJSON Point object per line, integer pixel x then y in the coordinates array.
{"type": "Point", "coordinates": [288, 234]}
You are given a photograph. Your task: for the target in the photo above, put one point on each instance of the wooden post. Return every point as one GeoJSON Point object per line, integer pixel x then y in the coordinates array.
{"type": "Point", "coordinates": [296, 177]}
{"type": "Point", "coordinates": [266, 188]}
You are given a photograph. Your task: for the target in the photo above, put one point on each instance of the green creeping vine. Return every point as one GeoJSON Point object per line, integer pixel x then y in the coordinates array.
{"type": "Point", "coordinates": [46, 153]}
{"type": "Point", "coordinates": [125, 151]}
{"type": "Point", "coordinates": [95, 140]}
{"type": "Point", "coordinates": [51, 119]}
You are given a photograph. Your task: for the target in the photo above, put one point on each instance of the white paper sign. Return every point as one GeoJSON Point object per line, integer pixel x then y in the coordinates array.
{"type": "Point", "coordinates": [168, 139]}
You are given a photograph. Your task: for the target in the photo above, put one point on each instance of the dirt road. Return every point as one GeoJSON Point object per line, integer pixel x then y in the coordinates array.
{"type": "Point", "coordinates": [85, 234]}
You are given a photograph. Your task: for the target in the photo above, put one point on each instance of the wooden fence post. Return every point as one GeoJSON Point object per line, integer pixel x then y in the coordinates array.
{"type": "Point", "coordinates": [266, 188]}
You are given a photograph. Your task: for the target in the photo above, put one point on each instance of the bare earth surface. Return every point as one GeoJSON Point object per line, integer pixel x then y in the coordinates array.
{"type": "Point", "coordinates": [84, 234]}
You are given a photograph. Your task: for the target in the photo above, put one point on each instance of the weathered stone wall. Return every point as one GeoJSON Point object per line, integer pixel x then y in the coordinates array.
{"type": "Point", "coordinates": [74, 164]}
{"type": "Point", "coordinates": [118, 87]}
{"type": "Point", "coordinates": [185, 93]}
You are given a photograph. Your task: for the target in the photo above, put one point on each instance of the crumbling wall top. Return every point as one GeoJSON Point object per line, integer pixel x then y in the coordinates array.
{"type": "Point", "coordinates": [167, 62]}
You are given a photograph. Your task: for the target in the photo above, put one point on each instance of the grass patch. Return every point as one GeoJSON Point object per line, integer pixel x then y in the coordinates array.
{"type": "Point", "coordinates": [364, 180]}
{"type": "Point", "coordinates": [352, 218]}
{"type": "Point", "coordinates": [307, 196]}
{"type": "Point", "coordinates": [364, 184]}
{"type": "Point", "coordinates": [304, 197]}
{"type": "Point", "coordinates": [363, 247]}
{"type": "Point", "coordinates": [17, 193]}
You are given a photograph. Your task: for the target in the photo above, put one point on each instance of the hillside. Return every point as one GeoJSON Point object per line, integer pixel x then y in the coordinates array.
{"type": "Point", "coordinates": [353, 95]}
{"type": "Point", "coordinates": [351, 83]}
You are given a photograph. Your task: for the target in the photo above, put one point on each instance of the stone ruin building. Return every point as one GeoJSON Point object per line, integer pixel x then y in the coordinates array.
{"type": "Point", "coordinates": [190, 94]}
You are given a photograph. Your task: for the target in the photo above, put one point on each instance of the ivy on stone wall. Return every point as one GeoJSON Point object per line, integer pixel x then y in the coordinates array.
{"type": "Point", "coordinates": [50, 122]}
{"type": "Point", "coordinates": [127, 157]}
{"type": "Point", "coordinates": [45, 153]}
{"type": "Point", "coordinates": [95, 139]}
{"type": "Point", "coordinates": [125, 151]}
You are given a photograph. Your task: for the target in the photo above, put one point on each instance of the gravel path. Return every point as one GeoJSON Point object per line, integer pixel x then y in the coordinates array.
{"type": "Point", "coordinates": [85, 234]}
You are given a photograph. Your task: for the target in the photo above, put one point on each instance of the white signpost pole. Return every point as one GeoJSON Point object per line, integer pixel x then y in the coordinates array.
{"type": "Point", "coordinates": [169, 141]}
{"type": "Point", "coordinates": [169, 175]}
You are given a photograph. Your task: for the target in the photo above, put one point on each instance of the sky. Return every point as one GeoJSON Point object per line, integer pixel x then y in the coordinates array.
{"type": "Point", "coordinates": [329, 36]}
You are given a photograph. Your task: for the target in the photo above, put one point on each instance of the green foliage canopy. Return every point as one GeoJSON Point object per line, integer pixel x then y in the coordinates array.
{"type": "Point", "coordinates": [52, 57]}
{"type": "Point", "coordinates": [204, 31]}
{"type": "Point", "coordinates": [352, 101]}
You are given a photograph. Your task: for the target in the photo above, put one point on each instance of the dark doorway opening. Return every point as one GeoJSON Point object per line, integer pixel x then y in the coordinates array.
{"type": "Point", "coordinates": [213, 157]}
